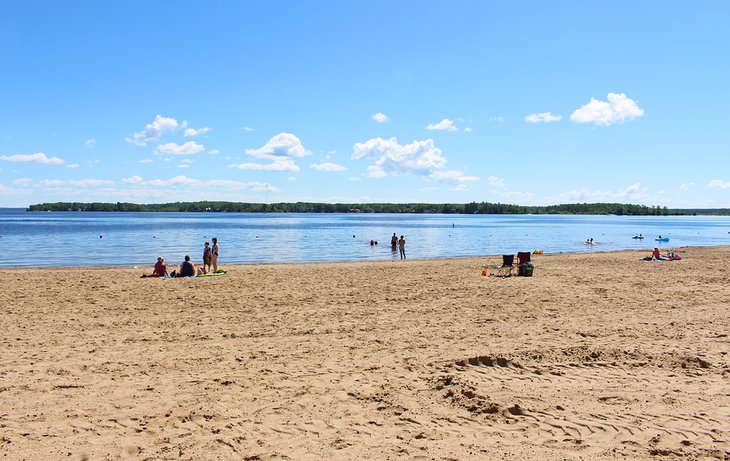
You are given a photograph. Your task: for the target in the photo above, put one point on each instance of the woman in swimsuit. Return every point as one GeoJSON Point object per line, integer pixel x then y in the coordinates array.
{"type": "Point", "coordinates": [214, 256]}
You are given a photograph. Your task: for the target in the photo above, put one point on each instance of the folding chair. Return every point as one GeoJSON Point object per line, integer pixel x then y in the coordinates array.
{"type": "Point", "coordinates": [505, 270]}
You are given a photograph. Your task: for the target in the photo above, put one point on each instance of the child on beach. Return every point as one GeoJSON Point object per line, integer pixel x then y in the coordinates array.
{"type": "Point", "coordinates": [207, 258]}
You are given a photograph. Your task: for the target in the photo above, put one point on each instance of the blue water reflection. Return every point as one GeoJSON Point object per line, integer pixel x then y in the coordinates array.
{"type": "Point", "coordinates": [79, 238]}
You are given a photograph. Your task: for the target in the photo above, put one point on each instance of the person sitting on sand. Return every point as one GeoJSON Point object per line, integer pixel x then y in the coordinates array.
{"type": "Point", "coordinates": [160, 269]}
{"type": "Point", "coordinates": [187, 268]}
{"type": "Point", "coordinates": [655, 254]}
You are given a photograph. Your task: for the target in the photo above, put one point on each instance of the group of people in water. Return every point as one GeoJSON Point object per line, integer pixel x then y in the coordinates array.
{"type": "Point", "coordinates": [395, 244]}
{"type": "Point", "coordinates": [399, 243]}
{"type": "Point", "coordinates": [187, 268]}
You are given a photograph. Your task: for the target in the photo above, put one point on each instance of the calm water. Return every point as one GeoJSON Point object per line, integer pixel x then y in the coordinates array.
{"type": "Point", "coordinates": [94, 239]}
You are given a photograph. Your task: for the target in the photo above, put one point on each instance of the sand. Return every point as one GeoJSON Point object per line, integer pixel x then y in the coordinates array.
{"type": "Point", "coordinates": [597, 356]}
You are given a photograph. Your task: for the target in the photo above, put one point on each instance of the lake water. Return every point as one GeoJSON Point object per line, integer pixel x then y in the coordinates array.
{"type": "Point", "coordinates": [105, 239]}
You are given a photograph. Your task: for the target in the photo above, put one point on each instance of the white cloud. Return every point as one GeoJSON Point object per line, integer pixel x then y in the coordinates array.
{"type": "Point", "coordinates": [452, 176]}
{"type": "Point", "coordinates": [247, 128]}
{"type": "Point", "coordinates": [176, 181]}
{"type": "Point", "coordinates": [443, 125]}
{"type": "Point", "coordinates": [468, 130]}
{"type": "Point", "coordinates": [38, 157]}
{"type": "Point", "coordinates": [380, 117]}
{"type": "Point", "coordinates": [22, 181]}
{"type": "Point", "coordinates": [153, 131]}
{"type": "Point", "coordinates": [617, 109]}
{"type": "Point", "coordinates": [90, 143]}
{"type": "Point", "coordinates": [214, 152]}
{"type": "Point", "coordinates": [684, 187]}
{"type": "Point", "coordinates": [278, 164]}
{"type": "Point", "coordinates": [545, 117]}
{"type": "Point", "coordinates": [718, 184]}
{"type": "Point", "coordinates": [327, 166]}
{"type": "Point", "coordinates": [196, 132]}
{"type": "Point", "coordinates": [52, 182]}
{"type": "Point", "coordinates": [185, 182]}
{"type": "Point", "coordinates": [147, 160]}
{"type": "Point", "coordinates": [391, 158]}
{"type": "Point", "coordinates": [497, 119]}
{"type": "Point", "coordinates": [183, 165]}
{"type": "Point", "coordinates": [495, 181]}
{"type": "Point", "coordinates": [281, 145]}
{"type": "Point", "coordinates": [90, 182]}
{"type": "Point", "coordinates": [188, 148]}
{"type": "Point", "coordinates": [132, 180]}
{"type": "Point", "coordinates": [517, 196]}
{"type": "Point", "coordinates": [280, 149]}
{"type": "Point", "coordinates": [634, 192]}
{"type": "Point", "coordinates": [73, 165]}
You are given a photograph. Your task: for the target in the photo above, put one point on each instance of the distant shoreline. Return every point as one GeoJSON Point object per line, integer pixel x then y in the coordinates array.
{"type": "Point", "coordinates": [619, 209]}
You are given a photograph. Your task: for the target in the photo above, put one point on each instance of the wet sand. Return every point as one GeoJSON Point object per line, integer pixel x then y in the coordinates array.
{"type": "Point", "coordinates": [597, 356]}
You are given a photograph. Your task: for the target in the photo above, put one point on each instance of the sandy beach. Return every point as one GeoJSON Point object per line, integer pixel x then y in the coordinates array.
{"type": "Point", "coordinates": [597, 356]}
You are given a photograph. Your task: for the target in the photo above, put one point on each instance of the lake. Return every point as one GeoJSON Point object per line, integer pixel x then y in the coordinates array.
{"type": "Point", "coordinates": [106, 239]}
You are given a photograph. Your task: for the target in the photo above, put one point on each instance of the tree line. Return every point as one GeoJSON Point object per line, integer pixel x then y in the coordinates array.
{"type": "Point", "coordinates": [423, 208]}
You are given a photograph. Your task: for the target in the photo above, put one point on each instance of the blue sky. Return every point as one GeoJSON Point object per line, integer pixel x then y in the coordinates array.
{"type": "Point", "coordinates": [354, 101]}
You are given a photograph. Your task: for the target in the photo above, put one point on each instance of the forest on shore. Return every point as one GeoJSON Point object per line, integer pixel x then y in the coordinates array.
{"type": "Point", "coordinates": [444, 208]}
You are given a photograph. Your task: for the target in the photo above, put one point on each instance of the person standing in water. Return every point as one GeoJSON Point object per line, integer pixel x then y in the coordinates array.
{"type": "Point", "coordinates": [402, 247]}
{"type": "Point", "coordinates": [214, 254]}
{"type": "Point", "coordinates": [393, 242]}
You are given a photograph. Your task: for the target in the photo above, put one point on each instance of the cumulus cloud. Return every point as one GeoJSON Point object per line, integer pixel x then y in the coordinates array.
{"type": "Point", "coordinates": [73, 165]}
{"type": "Point", "coordinates": [214, 152]}
{"type": "Point", "coordinates": [685, 186]}
{"type": "Point", "coordinates": [443, 125]}
{"type": "Point", "coordinates": [90, 143]}
{"type": "Point", "coordinates": [188, 148]}
{"type": "Point", "coordinates": [497, 119]}
{"type": "Point", "coordinates": [247, 128]}
{"type": "Point", "coordinates": [192, 132]}
{"type": "Point", "coordinates": [380, 117]}
{"type": "Point", "coordinates": [619, 108]}
{"type": "Point", "coordinates": [280, 149]}
{"type": "Point", "coordinates": [545, 117]}
{"type": "Point", "coordinates": [281, 145]}
{"type": "Point", "coordinates": [718, 184]}
{"type": "Point", "coordinates": [468, 130]}
{"type": "Point", "coordinates": [22, 181]}
{"type": "Point", "coordinates": [391, 158]}
{"type": "Point", "coordinates": [153, 131]}
{"type": "Point", "coordinates": [147, 160]}
{"type": "Point", "coordinates": [38, 157]}
{"type": "Point", "coordinates": [327, 166]}
{"type": "Point", "coordinates": [495, 181]}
